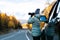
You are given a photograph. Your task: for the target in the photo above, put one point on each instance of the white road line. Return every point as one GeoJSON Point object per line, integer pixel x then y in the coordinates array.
{"type": "Point", "coordinates": [10, 36]}
{"type": "Point", "coordinates": [27, 36]}
{"type": "Point", "coordinates": [29, 31]}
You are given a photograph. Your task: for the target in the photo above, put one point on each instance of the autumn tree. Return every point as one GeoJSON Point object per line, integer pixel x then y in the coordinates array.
{"type": "Point", "coordinates": [13, 23]}
{"type": "Point", "coordinates": [0, 21]}
{"type": "Point", "coordinates": [8, 22]}
{"type": "Point", "coordinates": [17, 23]}
{"type": "Point", "coordinates": [4, 21]}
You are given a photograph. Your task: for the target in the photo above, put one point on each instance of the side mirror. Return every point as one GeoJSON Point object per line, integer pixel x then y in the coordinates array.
{"type": "Point", "coordinates": [43, 18]}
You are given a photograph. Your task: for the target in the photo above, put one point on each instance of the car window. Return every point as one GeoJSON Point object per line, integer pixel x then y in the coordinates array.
{"type": "Point", "coordinates": [58, 10]}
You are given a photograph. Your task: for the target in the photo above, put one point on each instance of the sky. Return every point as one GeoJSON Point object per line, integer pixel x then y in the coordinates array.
{"type": "Point", "coordinates": [21, 8]}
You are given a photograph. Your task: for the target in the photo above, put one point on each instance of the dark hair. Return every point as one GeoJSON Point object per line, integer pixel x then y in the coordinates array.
{"type": "Point", "coordinates": [37, 11]}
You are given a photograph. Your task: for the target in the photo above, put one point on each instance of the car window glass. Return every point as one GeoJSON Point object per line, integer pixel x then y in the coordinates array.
{"type": "Point", "coordinates": [58, 10]}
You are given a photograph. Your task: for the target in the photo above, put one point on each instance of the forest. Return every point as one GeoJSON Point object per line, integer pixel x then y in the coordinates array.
{"type": "Point", "coordinates": [8, 22]}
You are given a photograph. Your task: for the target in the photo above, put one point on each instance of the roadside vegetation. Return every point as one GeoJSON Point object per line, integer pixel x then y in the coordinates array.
{"type": "Point", "coordinates": [8, 22]}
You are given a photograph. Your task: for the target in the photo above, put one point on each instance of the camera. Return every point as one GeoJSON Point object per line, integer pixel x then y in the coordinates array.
{"type": "Point", "coordinates": [32, 14]}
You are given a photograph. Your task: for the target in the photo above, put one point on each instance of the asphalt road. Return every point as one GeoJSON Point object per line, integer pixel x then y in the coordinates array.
{"type": "Point", "coordinates": [17, 35]}
{"type": "Point", "coordinates": [20, 35]}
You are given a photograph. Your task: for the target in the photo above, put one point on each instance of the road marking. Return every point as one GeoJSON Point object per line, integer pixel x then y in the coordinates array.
{"type": "Point", "coordinates": [10, 36]}
{"type": "Point", "coordinates": [27, 36]}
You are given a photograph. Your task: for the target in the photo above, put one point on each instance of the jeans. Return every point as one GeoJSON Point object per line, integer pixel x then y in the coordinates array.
{"type": "Point", "coordinates": [49, 37]}
{"type": "Point", "coordinates": [36, 37]}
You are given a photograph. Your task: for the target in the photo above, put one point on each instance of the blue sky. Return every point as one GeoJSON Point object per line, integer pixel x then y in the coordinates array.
{"type": "Point", "coordinates": [20, 8]}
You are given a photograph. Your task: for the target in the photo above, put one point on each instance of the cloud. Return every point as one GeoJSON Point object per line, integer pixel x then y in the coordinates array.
{"type": "Point", "coordinates": [20, 8]}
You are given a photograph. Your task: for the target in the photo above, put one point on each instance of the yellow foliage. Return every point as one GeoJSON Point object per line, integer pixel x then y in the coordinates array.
{"type": "Point", "coordinates": [8, 21]}
{"type": "Point", "coordinates": [48, 9]}
{"type": "Point", "coordinates": [42, 25]}
{"type": "Point", "coordinates": [4, 18]}
{"type": "Point", "coordinates": [10, 17]}
{"type": "Point", "coordinates": [11, 24]}
{"type": "Point", "coordinates": [24, 25]}
{"type": "Point", "coordinates": [29, 26]}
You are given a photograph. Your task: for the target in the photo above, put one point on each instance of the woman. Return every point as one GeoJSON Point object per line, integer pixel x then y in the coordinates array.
{"type": "Point", "coordinates": [36, 32]}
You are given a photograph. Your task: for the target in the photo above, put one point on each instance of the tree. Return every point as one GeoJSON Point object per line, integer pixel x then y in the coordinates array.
{"type": "Point", "coordinates": [0, 21]}
{"type": "Point", "coordinates": [4, 21]}
{"type": "Point", "coordinates": [7, 22]}
{"type": "Point", "coordinates": [11, 24]}
{"type": "Point", "coordinates": [19, 25]}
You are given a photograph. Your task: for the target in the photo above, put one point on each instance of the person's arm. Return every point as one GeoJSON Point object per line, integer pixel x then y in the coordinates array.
{"type": "Point", "coordinates": [30, 20]}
